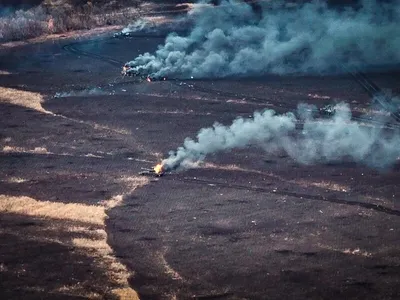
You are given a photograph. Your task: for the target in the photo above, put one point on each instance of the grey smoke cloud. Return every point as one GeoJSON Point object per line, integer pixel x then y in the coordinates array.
{"type": "Point", "coordinates": [317, 141]}
{"type": "Point", "coordinates": [311, 38]}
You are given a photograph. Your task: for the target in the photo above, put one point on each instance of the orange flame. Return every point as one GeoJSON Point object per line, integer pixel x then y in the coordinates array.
{"type": "Point", "coordinates": [159, 169]}
{"type": "Point", "coordinates": [148, 79]}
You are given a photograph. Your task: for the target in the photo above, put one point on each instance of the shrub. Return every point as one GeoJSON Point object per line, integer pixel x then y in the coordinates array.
{"type": "Point", "coordinates": [23, 24]}
{"type": "Point", "coordinates": [45, 19]}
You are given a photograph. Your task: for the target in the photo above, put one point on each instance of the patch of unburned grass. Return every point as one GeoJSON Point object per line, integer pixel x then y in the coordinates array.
{"type": "Point", "coordinates": [79, 227]}
{"type": "Point", "coordinates": [22, 98]}
{"type": "Point", "coordinates": [53, 210]}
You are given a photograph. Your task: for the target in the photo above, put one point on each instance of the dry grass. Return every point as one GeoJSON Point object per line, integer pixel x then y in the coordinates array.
{"type": "Point", "coordinates": [326, 185]}
{"type": "Point", "coordinates": [22, 98]}
{"type": "Point", "coordinates": [36, 150]}
{"type": "Point", "coordinates": [63, 16]}
{"type": "Point", "coordinates": [356, 251]}
{"type": "Point", "coordinates": [53, 210]}
{"type": "Point", "coordinates": [15, 180]}
{"type": "Point", "coordinates": [34, 101]}
{"type": "Point", "coordinates": [63, 222]}
{"type": "Point", "coordinates": [133, 182]}
{"type": "Point", "coordinates": [91, 241]}
{"type": "Point", "coordinates": [168, 270]}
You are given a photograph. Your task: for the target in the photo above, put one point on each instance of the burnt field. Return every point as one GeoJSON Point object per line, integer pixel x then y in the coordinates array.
{"type": "Point", "coordinates": [244, 225]}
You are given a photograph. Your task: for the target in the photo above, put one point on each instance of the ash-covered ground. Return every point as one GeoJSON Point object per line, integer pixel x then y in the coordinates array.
{"type": "Point", "coordinates": [244, 225]}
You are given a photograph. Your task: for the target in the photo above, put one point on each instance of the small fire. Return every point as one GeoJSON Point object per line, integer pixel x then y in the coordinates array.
{"type": "Point", "coordinates": [159, 169]}
{"type": "Point", "coordinates": [125, 70]}
{"type": "Point", "coordinates": [148, 79]}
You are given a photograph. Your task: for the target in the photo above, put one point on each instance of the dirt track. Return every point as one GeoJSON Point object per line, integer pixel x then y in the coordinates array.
{"type": "Point", "coordinates": [244, 226]}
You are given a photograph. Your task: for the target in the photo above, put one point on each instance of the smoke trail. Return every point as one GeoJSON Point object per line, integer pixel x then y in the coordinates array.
{"type": "Point", "coordinates": [318, 140]}
{"type": "Point", "coordinates": [148, 25]}
{"type": "Point", "coordinates": [86, 92]}
{"type": "Point", "coordinates": [232, 39]}
{"type": "Point", "coordinates": [138, 26]}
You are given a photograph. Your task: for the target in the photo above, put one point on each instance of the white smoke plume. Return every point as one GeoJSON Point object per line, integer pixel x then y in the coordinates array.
{"type": "Point", "coordinates": [317, 141]}
{"type": "Point", "coordinates": [156, 26]}
{"type": "Point", "coordinates": [231, 39]}
{"type": "Point", "coordinates": [141, 25]}
{"type": "Point", "coordinates": [81, 93]}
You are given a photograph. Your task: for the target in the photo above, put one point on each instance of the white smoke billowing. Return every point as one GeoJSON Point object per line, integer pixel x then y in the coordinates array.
{"type": "Point", "coordinates": [81, 93]}
{"type": "Point", "coordinates": [137, 26]}
{"type": "Point", "coordinates": [154, 26]}
{"type": "Point", "coordinates": [318, 140]}
{"type": "Point", "coordinates": [233, 40]}
{"type": "Point", "coordinates": [311, 38]}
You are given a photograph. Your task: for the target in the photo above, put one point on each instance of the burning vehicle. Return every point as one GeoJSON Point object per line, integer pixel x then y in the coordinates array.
{"type": "Point", "coordinates": [327, 110]}
{"type": "Point", "coordinates": [122, 34]}
{"type": "Point", "coordinates": [127, 70]}
{"type": "Point", "coordinates": [157, 171]}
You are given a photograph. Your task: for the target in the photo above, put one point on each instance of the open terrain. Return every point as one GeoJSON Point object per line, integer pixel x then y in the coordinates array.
{"type": "Point", "coordinates": [78, 222]}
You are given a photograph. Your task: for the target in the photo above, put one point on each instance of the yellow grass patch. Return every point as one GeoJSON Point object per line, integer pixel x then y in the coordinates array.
{"type": "Point", "coordinates": [22, 98]}
{"type": "Point", "coordinates": [54, 210]}
{"type": "Point", "coordinates": [327, 185]}
{"type": "Point", "coordinates": [15, 180]}
{"type": "Point", "coordinates": [160, 257]}
{"type": "Point", "coordinates": [36, 150]}
{"type": "Point", "coordinates": [133, 182]}
{"type": "Point", "coordinates": [126, 294]}
{"type": "Point", "coordinates": [92, 241]}
{"type": "Point", "coordinates": [72, 290]}
{"type": "Point", "coordinates": [34, 101]}
{"type": "Point", "coordinates": [348, 251]}
{"type": "Point", "coordinates": [93, 245]}
{"type": "Point", "coordinates": [113, 202]}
